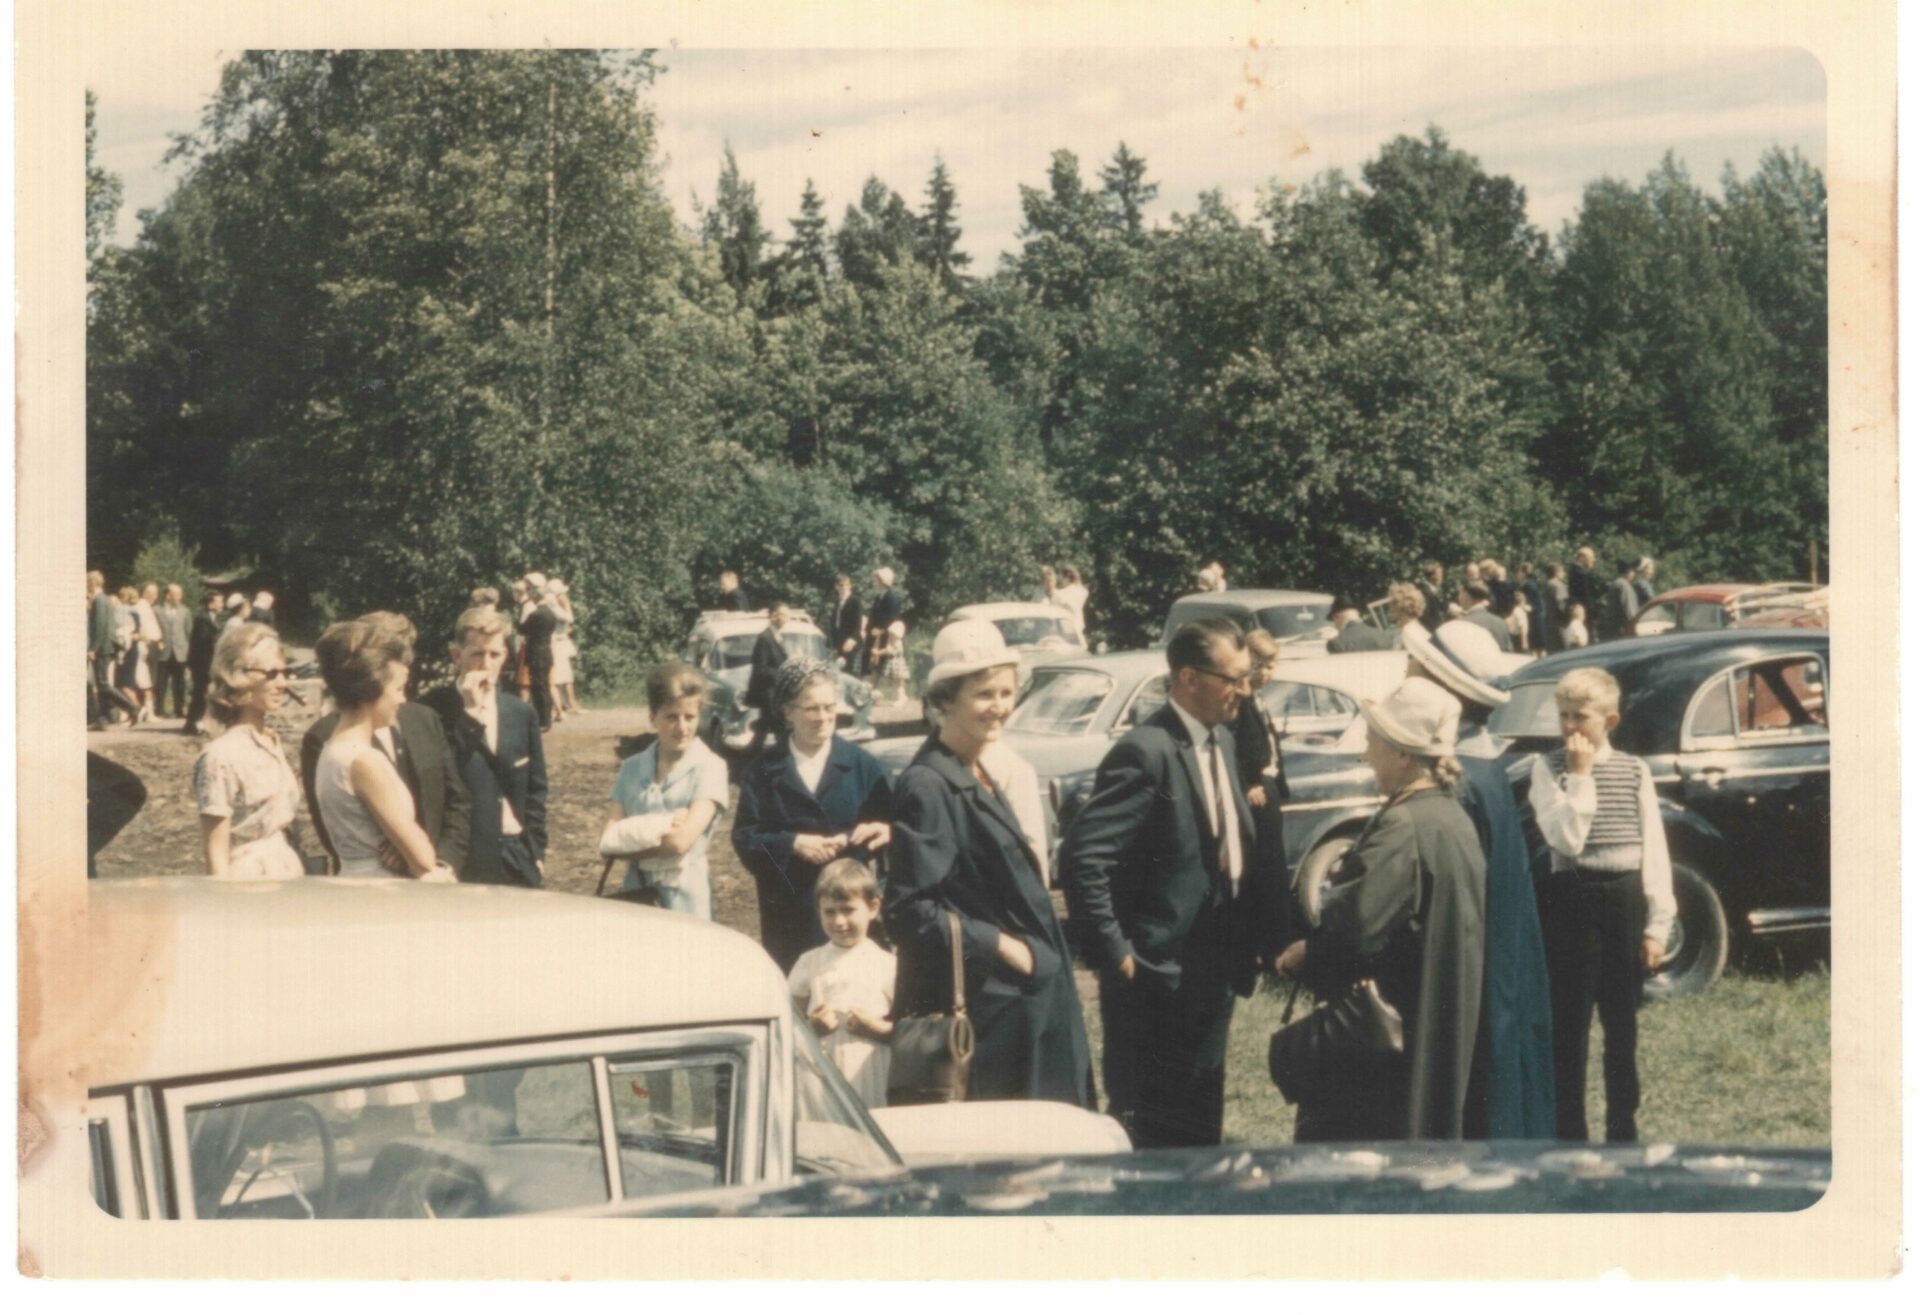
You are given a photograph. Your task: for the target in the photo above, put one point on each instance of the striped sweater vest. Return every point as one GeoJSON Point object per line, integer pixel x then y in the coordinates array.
{"type": "Point", "coordinates": [1616, 820]}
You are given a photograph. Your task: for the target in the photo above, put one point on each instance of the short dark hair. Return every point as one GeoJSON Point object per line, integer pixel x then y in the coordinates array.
{"type": "Point", "coordinates": [1192, 644]}
{"type": "Point", "coordinates": [1478, 592]}
{"type": "Point", "coordinates": [354, 657]}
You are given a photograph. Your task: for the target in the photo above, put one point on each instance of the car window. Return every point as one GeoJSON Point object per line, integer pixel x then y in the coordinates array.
{"type": "Point", "coordinates": [1061, 702]}
{"type": "Point", "coordinates": [1332, 703]}
{"type": "Point", "coordinates": [1293, 619]}
{"type": "Point", "coordinates": [1152, 697]}
{"type": "Point", "coordinates": [105, 1181]}
{"type": "Point", "coordinates": [1025, 631]}
{"type": "Point", "coordinates": [1703, 616]}
{"type": "Point", "coordinates": [1785, 699]}
{"type": "Point", "coordinates": [1530, 714]}
{"type": "Point", "coordinates": [1711, 717]}
{"type": "Point", "coordinates": [832, 1132]}
{"type": "Point", "coordinates": [1286, 701]}
{"type": "Point", "coordinates": [734, 651]}
{"type": "Point", "coordinates": [1656, 619]}
{"type": "Point", "coordinates": [477, 1143]}
{"type": "Point", "coordinates": [674, 1117]}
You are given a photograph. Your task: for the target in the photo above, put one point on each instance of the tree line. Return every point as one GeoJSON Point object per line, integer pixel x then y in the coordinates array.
{"type": "Point", "coordinates": [413, 321]}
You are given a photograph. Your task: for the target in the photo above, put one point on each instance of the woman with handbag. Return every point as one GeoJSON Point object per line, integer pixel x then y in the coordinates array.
{"type": "Point", "coordinates": [1396, 961]}
{"type": "Point", "coordinates": [966, 905]}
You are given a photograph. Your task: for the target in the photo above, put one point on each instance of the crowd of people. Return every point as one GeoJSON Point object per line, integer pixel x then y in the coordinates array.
{"type": "Point", "coordinates": [1566, 607]}
{"type": "Point", "coordinates": [881, 897]}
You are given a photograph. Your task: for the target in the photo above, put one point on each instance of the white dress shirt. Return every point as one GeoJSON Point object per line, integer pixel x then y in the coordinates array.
{"type": "Point", "coordinates": [1564, 809]}
{"type": "Point", "coordinates": [1206, 748]}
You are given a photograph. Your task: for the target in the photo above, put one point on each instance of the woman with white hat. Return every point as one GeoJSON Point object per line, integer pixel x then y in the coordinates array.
{"type": "Point", "coordinates": [1512, 1092]}
{"type": "Point", "coordinates": [958, 846]}
{"type": "Point", "coordinates": [1404, 910]}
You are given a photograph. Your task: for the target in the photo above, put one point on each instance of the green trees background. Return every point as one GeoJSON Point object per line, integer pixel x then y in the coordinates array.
{"type": "Point", "coordinates": [415, 321]}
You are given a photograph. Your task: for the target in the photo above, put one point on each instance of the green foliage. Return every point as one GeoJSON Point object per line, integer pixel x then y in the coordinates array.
{"type": "Point", "coordinates": [164, 560]}
{"type": "Point", "coordinates": [789, 532]}
{"type": "Point", "coordinates": [103, 196]}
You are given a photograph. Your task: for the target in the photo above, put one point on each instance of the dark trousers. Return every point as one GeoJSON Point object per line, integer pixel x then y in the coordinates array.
{"type": "Point", "coordinates": [197, 705]}
{"type": "Point", "coordinates": [106, 694]}
{"type": "Point", "coordinates": [1593, 923]}
{"type": "Point", "coordinates": [1164, 1056]}
{"type": "Point", "coordinates": [540, 691]}
{"type": "Point", "coordinates": [170, 688]}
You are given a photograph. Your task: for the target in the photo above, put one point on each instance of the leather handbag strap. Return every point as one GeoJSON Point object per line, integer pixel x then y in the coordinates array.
{"type": "Point", "coordinates": [959, 970]}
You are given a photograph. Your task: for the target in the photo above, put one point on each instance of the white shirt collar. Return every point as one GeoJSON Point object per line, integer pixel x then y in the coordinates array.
{"type": "Point", "coordinates": [1201, 734]}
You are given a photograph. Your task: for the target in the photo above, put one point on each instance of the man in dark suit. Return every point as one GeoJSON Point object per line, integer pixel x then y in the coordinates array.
{"type": "Point", "coordinates": [536, 640]}
{"type": "Point", "coordinates": [1473, 598]}
{"type": "Point", "coordinates": [495, 739]}
{"type": "Point", "coordinates": [769, 655]}
{"type": "Point", "coordinates": [207, 623]}
{"type": "Point", "coordinates": [1582, 587]}
{"type": "Point", "coordinates": [732, 597]}
{"type": "Point", "coordinates": [1351, 634]}
{"type": "Point", "coordinates": [1161, 878]}
{"type": "Point", "coordinates": [848, 623]}
{"type": "Point", "coordinates": [887, 609]}
{"type": "Point", "coordinates": [1432, 584]}
{"type": "Point", "coordinates": [418, 747]}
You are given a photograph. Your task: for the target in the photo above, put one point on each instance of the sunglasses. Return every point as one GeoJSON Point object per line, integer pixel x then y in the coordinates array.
{"type": "Point", "coordinates": [271, 673]}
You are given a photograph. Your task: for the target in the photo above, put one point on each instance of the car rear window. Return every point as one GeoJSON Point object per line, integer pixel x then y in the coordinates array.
{"type": "Point", "coordinates": [1291, 620]}
{"type": "Point", "coordinates": [1531, 714]}
{"type": "Point", "coordinates": [1061, 702]}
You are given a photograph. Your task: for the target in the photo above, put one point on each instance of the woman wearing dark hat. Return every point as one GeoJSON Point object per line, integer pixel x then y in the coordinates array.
{"type": "Point", "coordinates": [808, 799]}
{"type": "Point", "coordinates": [958, 847]}
{"type": "Point", "coordinates": [1512, 1092]}
{"type": "Point", "coordinates": [1404, 910]}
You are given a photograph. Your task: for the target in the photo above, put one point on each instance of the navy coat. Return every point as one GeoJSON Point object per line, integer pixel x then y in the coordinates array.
{"type": "Point", "coordinates": [1512, 1092]}
{"type": "Point", "coordinates": [958, 846]}
{"type": "Point", "coordinates": [775, 806]}
{"type": "Point", "coordinates": [520, 761]}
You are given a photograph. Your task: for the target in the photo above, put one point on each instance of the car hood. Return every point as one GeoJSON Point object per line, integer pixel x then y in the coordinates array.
{"type": "Point", "coordinates": [1379, 1178]}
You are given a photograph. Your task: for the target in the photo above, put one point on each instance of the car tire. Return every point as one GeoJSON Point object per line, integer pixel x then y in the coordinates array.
{"type": "Point", "coordinates": [1311, 877]}
{"type": "Point", "coordinates": [1697, 946]}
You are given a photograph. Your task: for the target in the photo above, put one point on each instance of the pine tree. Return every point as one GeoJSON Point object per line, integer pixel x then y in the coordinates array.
{"type": "Point", "coordinates": [940, 231]}
{"type": "Point", "coordinates": [1125, 192]}
{"type": "Point", "coordinates": [733, 225]}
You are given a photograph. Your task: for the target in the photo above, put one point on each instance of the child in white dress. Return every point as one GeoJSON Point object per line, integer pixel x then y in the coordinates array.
{"type": "Point", "coordinates": [845, 987]}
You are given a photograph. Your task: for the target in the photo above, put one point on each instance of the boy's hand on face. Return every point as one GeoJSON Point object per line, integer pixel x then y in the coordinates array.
{"type": "Point", "coordinates": [1580, 751]}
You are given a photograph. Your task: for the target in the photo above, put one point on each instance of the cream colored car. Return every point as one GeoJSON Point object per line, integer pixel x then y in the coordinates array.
{"type": "Point", "coordinates": [347, 1048]}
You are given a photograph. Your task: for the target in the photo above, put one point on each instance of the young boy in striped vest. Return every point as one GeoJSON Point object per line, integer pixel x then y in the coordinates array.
{"type": "Point", "coordinates": [1607, 905]}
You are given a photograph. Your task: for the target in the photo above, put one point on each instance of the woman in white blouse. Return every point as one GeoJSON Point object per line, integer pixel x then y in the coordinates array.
{"type": "Point", "coordinates": [248, 795]}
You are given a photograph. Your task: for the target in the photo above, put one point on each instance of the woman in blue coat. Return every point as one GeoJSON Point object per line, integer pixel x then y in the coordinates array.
{"type": "Point", "coordinates": [808, 799]}
{"type": "Point", "coordinates": [958, 847]}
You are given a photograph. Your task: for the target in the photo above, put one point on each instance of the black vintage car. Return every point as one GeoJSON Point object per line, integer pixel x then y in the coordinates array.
{"type": "Point", "coordinates": [1734, 725]}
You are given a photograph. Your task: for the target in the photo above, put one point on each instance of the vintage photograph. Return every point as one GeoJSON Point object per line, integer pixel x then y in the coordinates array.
{"type": "Point", "coordinates": [695, 631]}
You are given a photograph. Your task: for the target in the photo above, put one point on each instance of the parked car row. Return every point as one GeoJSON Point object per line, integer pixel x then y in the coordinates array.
{"type": "Point", "coordinates": [721, 646]}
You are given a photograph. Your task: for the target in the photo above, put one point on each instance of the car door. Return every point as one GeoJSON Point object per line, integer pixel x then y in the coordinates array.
{"type": "Point", "coordinates": [1755, 761]}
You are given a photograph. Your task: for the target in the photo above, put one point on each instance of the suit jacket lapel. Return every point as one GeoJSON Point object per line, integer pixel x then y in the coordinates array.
{"type": "Point", "coordinates": [786, 780]}
{"type": "Point", "coordinates": [948, 764]}
{"type": "Point", "coordinates": [1189, 756]}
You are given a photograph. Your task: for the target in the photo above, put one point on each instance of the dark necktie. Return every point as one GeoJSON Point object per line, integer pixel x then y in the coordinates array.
{"type": "Point", "coordinates": [1219, 804]}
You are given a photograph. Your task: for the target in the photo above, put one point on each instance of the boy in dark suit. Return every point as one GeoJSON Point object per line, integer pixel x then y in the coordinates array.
{"type": "Point", "coordinates": [495, 741]}
{"type": "Point", "coordinates": [1159, 870]}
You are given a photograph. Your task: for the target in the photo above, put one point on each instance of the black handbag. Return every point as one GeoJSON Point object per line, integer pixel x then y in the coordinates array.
{"type": "Point", "coordinates": [933, 1053]}
{"type": "Point", "coordinates": [1351, 1036]}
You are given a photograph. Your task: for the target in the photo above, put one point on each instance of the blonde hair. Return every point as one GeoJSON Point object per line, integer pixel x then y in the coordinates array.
{"type": "Point", "coordinates": [1405, 602]}
{"type": "Point", "coordinates": [1445, 770]}
{"type": "Point", "coordinates": [483, 620]}
{"type": "Point", "coordinates": [1263, 646]}
{"type": "Point", "coordinates": [227, 675]}
{"type": "Point", "coordinates": [847, 878]}
{"type": "Point", "coordinates": [1588, 687]}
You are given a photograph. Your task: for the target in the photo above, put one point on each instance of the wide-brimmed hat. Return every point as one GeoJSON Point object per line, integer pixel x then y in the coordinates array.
{"type": "Point", "coordinates": [1418, 718]}
{"type": "Point", "coordinates": [1461, 656]}
{"type": "Point", "coordinates": [967, 647]}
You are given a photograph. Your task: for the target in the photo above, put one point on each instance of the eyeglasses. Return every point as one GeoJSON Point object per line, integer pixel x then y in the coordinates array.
{"type": "Point", "coordinates": [271, 673]}
{"type": "Point", "coordinates": [1232, 682]}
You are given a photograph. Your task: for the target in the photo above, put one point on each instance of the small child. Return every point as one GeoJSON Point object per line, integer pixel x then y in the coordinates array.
{"type": "Point", "coordinates": [846, 987]}
{"type": "Point", "coordinates": [1574, 633]}
{"type": "Point", "coordinates": [1607, 905]}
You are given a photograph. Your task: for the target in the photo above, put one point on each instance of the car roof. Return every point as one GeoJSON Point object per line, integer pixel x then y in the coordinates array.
{"type": "Point", "coordinates": [198, 977]}
{"type": "Point", "coordinates": [1358, 675]}
{"type": "Point", "coordinates": [1658, 674]}
{"type": "Point", "coordinates": [1001, 611]}
{"type": "Point", "coordinates": [734, 623]}
{"type": "Point", "coordinates": [1254, 599]}
{"type": "Point", "coordinates": [1721, 592]}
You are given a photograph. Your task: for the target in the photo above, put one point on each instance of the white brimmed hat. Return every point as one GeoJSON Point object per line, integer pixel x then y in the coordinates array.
{"type": "Point", "coordinates": [236, 600]}
{"type": "Point", "coordinates": [1418, 718]}
{"type": "Point", "coordinates": [1459, 655]}
{"type": "Point", "coordinates": [967, 647]}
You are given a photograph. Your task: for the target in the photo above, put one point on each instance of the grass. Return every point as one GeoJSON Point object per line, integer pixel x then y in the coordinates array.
{"type": "Point", "coordinates": [1746, 1062]}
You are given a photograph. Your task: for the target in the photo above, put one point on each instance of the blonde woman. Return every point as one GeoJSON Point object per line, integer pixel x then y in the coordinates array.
{"type": "Point", "coordinates": [248, 796]}
{"type": "Point", "coordinates": [560, 599]}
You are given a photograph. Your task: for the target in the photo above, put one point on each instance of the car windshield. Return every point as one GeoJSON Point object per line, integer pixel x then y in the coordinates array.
{"type": "Point", "coordinates": [737, 650]}
{"type": "Point", "coordinates": [1703, 616]}
{"type": "Point", "coordinates": [1026, 631]}
{"type": "Point", "coordinates": [832, 1132]}
{"type": "Point", "coordinates": [1292, 620]}
{"type": "Point", "coordinates": [1061, 701]}
{"type": "Point", "coordinates": [1531, 714]}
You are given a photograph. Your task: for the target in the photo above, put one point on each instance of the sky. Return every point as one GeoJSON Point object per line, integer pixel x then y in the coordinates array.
{"type": "Point", "coordinates": [1238, 119]}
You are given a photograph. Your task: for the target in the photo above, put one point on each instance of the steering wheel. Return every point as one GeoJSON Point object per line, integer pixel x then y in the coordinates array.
{"type": "Point", "coordinates": [326, 1197]}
